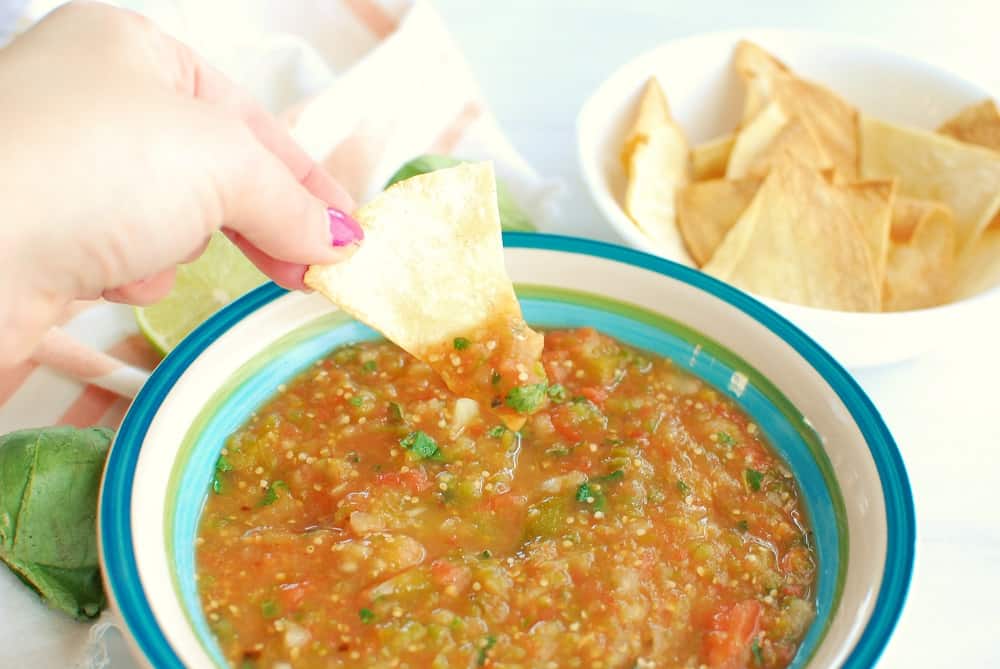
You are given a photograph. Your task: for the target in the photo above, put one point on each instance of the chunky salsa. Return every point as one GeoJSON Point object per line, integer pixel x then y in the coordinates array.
{"type": "Point", "coordinates": [501, 368]}
{"type": "Point", "coordinates": [368, 517]}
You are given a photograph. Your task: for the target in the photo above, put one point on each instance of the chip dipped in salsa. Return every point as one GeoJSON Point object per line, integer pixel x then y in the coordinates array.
{"type": "Point", "coordinates": [501, 364]}
{"type": "Point", "coordinates": [368, 516]}
{"type": "Point", "coordinates": [430, 276]}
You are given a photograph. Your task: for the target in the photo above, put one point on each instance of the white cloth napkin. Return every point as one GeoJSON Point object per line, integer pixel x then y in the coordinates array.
{"type": "Point", "coordinates": [365, 85]}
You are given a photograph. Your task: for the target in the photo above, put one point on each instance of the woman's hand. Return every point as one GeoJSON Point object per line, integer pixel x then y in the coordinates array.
{"type": "Point", "coordinates": [120, 153]}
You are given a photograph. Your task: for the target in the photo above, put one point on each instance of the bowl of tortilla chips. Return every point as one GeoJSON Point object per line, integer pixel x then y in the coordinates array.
{"type": "Point", "coordinates": [853, 189]}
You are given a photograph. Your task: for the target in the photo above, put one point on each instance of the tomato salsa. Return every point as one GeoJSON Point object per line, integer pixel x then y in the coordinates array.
{"type": "Point", "coordinates": [500, 367]}
{"type": "Point", "coordinates": [368, 517]}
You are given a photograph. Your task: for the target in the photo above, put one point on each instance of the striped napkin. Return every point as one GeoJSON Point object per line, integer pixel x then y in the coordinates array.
{"type": "Point", "coordinates": [365, 86]}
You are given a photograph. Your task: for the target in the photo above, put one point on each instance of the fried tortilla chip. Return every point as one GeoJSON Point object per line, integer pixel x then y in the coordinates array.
{"type": "Point", "coordinates": [656, 163]}
{"type": "Point", "coordinates": [758, 70]}
{"type": "Point", "coordinates": [754, 138]}
{"type": "Point", "coordinates": [831, 120]}
{"type": "Point", "coordinates": [706, 210]}
{"type": "Point", "coordinates": [907, 212]}
{"type": "Point", "coordinates": [793, 138]}
{"type": "Point", "coordinates": [920, 269]}
{"type": "Point", "coordinates": [934, 167]}
{"type": "Point", "coordinates": [708, 160]}
{"type": "Point", "coordinates": [797, 242]}
{"type": "Point", "coordinates": [871, 205]}
{"type": "Point", "coordinates": [976, 124]}
{"type": "Point", "coordinates": [978, 269]}
{"type": "Point", "coordinates": [430, 276]}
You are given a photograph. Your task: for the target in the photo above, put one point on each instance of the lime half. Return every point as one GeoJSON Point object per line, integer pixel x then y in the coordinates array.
{"type": "Point", "coordinates": [215, 279]}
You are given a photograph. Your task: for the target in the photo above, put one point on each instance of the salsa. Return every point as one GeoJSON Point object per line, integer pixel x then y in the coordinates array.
{"type": "Point", "coordinates": [501, 368]}
{"type": "Point", "coordinates": [368, 517]}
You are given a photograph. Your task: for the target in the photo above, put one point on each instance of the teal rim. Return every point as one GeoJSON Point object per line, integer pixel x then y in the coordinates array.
{"type": "Point", "coordinates": [121, 572]}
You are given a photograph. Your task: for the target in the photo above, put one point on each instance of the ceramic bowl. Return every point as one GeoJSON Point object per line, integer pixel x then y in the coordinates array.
{"type": "Point", "coordinates": [705, 97]}
{"type": "Point", "coordinates": [854, 486]}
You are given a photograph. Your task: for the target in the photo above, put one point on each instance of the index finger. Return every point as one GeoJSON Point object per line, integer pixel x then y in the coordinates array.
{"type": "Point", "coordinates": [204, 82]}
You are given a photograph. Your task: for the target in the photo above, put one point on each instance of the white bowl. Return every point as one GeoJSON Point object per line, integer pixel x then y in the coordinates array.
{"type": "Point", "coordinates": [851, 475]}
{"type": "Point", "coordinates": [706, 99]}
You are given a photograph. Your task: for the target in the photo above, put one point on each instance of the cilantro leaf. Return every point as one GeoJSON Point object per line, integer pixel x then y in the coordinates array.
{"type": "Point", "coordinates": [758, 657]}
{"type": "Point", "coordinates": [496, 431]}
{"type": "Point", "coordinates": [367, 616]}
{"type": "Point", "coordinates": [754, 479]}
{"type": "Point", "coordinates": [683, 488]}
{"type": "Point", "coordinates": [269, 608]}
{"type": "Point", "coordinates": [596, 497]}
{"type": "Point", "coordinates": [485, 649]}
{"type": "Point", "coordinates": [460, 343]}
{"type": "Point", "coordinates": [526, 399]}
{"type": "Point", "coordinates": [556, 393]}
{"type": "Point", "coordinates": [588, 491]}
{"type": "Point", "coordinates": [369, 366]}
{"type": "Point", "coordinates": [725, 439]}
{"type": "Point", "coordinates": [743, 526]}
{"type": "Point", "coordinates": [421, 445]}
{"type": "Point", "coordinates": [612, 477]}
{"type": "Point", "coordinates": [222, 465]}
{"type": "Point", "coordinates": [271, 494]}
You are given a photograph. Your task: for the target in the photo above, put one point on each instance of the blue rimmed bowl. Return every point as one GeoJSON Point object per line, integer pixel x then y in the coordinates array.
{"type": "Point", "coordinates": [820, 422]}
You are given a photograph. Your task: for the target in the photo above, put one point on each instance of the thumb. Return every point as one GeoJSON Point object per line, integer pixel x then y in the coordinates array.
{"type": "Point", "coordinates": [269, 209]}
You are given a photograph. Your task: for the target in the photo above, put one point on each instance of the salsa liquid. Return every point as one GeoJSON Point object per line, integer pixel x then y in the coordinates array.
{"type": "Point", "coordinates": [367, 517]}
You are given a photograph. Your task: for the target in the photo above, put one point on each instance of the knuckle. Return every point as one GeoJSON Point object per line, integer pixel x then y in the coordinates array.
{"type": "Point", "coordinates": [118, 28]}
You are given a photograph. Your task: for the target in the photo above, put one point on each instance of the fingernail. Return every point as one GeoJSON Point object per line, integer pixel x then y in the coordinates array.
{"type": "Point", "coordinates": [344, 230]}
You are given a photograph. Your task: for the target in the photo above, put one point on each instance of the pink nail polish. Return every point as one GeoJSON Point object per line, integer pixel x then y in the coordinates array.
{"type": "Point", "coordinates": [344, 230]}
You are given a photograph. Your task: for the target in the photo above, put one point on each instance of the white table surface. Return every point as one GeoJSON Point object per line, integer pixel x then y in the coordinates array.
{"type": "Point", "coordinates": [537, 60]}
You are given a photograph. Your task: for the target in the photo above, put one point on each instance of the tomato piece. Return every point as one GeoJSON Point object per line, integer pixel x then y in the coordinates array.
{"type": "Point", "coordinates": [565, 423]}
{"type": "Point", "coordinates": [501, 502]}
{"type": "Point", "coordinates": [445, 573]}
{"type": "Point", "coordinates": [727, 645]}
{"type": "Point", "coordinates": [595, 395]}
{"type": "Point", "coordinates": [555, 368]}
{"type": "Point", "coordinates": [413, 481]}
{"type": "Point", "coordinates": [793, 590]}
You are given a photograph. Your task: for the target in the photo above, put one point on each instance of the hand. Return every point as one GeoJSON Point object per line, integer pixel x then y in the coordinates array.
{"type": "Point", "coordinates": [121, 153]}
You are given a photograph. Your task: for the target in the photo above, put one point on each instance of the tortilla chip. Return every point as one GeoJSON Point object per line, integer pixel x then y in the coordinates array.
{"type": "Point", "coordinates": [871, 205]}
{"type": "Point", "coordinates": [754, 138]}
{"type": "Point", "coordinates": [794, 138]}
{"type": "Point", "coordinates": [797, 242]}
{"type": "Point", "coordinates": [708, 160]}
{"type": "Point", "coordinates": [831, 120]}
{"type": "Point", "coordinates": [706, 210]}
{"type": "Point", "coordinates": [934, 167]}
{"type": "Point", "coordinates": [920, 270]}
{"type": "Point", "coordinates": [430, 270]}
{"type": "Point", "coordinates": [758, 70]}
{"type": "Point", "coordinates": [908, 212]}
{"type": "Point", "coordinates": [979, 268]}
{"type": "Point", "coordinates": [656, 162]}
{"type": "Point", "coordinates": [976, 124]}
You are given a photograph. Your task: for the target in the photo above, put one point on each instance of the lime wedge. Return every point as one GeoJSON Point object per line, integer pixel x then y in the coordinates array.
{"type": "Point", "coordinates": [215, 279]}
